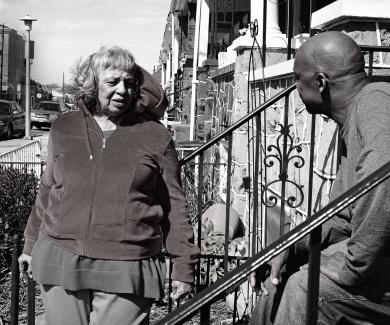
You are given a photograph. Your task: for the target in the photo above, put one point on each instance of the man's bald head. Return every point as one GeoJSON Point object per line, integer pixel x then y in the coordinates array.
{"type": "Point", "coordinates": [333, 53]}
{"type": "Point", "coordinates": [329, 71]}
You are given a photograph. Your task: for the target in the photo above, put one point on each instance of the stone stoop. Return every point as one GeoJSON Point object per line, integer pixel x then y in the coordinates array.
{"type": "Point", "coordinates": [40, 319]}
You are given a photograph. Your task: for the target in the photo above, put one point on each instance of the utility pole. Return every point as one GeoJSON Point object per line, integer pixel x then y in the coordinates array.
{"type": "Point", "coordinates": [28, 25]}
{"type": "Point", "coordinates": [2, 62]}
{"type": "Point", "coordinates": [63, 87]}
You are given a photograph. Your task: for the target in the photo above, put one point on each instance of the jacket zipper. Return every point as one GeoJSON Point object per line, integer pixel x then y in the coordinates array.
{"type": "Point", "coordinates": [93, 197]}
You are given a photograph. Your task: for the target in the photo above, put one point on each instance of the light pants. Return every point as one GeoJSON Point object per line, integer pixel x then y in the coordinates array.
{"type": "Point", "coordinates": [336, 306]}
{"type": "Point", "coordinates": [82, 307]}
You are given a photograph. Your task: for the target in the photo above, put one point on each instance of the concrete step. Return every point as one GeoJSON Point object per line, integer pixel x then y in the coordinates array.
{"type": "Point", "coordinates": [40, 320]}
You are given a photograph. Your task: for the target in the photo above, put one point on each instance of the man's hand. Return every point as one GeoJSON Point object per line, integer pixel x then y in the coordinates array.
{"type": "Point", "coordinates": [276, 265]}
{"type": "Point", "coordinates": [257, 280]}
{"type": "Point", "coordinates": [180, 289]}
{"type": "Point", "coordinates": [25, 264]}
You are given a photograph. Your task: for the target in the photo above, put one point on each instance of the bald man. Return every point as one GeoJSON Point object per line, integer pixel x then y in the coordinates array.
{"type": "Point", "coordinates": [355, 259]}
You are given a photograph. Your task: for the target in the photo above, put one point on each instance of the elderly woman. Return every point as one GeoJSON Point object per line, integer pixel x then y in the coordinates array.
{"type": "Point", "coordinates": [109, 199]}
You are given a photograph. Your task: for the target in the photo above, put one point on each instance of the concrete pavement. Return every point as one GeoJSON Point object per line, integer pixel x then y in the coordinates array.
{"type": "Point", "coordinates": [9, 145]}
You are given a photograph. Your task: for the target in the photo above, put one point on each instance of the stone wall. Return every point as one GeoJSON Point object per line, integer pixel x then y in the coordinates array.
{"type": "Point", "coordinates": [231, 102]}
{"type": "Point", "coordinates": [366, 33]}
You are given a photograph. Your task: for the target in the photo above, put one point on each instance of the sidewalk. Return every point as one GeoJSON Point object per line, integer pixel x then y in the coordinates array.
{"type": "Point", "coordinates": [9, 145]}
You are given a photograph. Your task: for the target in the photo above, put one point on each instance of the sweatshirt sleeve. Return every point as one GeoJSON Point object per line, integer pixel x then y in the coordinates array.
{"type": "Point", "coordinates": [336, 229]}
{"type": "Point", "coordinates": [177, 229]}
{"type": "Point", "coordinates": [41, 201]}
{"type": "Point", "coordinates": [371, 213]}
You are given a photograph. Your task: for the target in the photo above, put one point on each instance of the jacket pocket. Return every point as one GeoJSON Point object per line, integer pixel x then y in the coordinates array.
{"type": "Point", "coordinates": [144, 212]}
{"type": "Point", "coordinates": [68, 204]}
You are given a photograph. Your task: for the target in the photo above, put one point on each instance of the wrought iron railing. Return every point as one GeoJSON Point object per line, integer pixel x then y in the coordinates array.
{"type": "Point", "coordinates": [241, 272]}
{"type": "Point", "coordinates": [276, 162]}
{"type": "Point", "coordinates": [202, 165]}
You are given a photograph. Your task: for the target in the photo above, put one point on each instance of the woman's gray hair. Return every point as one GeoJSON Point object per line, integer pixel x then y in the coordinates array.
{"type": "Point", "coordinates": [113, 57]}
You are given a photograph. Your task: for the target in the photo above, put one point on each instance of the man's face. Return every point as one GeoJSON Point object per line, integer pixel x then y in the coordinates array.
{"type": "Point", "coordinates": [116, 91]}
{"type": "Point", "coordinates": [307, 85]}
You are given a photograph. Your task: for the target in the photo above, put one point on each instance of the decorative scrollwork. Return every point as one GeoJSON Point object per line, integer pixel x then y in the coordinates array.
{"type": "Point", "coordinates": [254, 27]}
{"type": "Point", "coordinates": [270, 201]}
{"type": "Point", "coordinates": [291, 199]}
{"type": "Point", "coordinates": [276, 151]}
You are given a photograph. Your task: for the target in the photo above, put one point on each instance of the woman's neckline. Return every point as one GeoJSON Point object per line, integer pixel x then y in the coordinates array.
{"type": "Point", "coordinates": [104, 123]}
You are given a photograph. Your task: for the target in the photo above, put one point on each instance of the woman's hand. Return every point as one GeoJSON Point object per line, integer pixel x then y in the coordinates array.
{"type": "Point", "coordinates": [25, 264]}
{"type": "Point", "coordinates": [180, 289]}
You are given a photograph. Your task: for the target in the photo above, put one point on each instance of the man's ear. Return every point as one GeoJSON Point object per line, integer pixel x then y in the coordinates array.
{"type": "Point", "coordinates": [322, 82]}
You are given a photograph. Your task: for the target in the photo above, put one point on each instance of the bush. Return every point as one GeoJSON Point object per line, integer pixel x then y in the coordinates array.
{"type": "Point", "coordinates": [17, 196]}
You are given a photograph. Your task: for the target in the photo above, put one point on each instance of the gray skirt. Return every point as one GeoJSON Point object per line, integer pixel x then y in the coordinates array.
{"type": "Point", "coordinates": [54, 265]}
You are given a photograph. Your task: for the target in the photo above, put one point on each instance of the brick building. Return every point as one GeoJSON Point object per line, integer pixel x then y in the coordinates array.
{"type": "Point", "coordinates": [13, 69]}
{"type": "Point", "coordinates": [12, 63]}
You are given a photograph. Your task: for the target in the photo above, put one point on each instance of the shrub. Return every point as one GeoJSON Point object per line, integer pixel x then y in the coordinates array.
{"type": "Point", "coordinates": [17, 196]}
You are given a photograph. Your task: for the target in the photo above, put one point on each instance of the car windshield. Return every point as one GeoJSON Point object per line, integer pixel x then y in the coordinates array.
{"type": "Point", "coordinates": [55, 107]}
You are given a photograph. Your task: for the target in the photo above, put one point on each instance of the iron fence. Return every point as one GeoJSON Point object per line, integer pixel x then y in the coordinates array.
{"type": "Point", "coordinates": [240, 273]}
{"type": "Point", "coordinates": [27, 157]}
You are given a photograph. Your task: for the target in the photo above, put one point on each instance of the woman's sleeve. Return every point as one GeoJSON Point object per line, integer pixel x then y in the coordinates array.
{"type": "Point", "coordinates": [41, 201]}
{"type": "Point", "coordinates": [177, 229]}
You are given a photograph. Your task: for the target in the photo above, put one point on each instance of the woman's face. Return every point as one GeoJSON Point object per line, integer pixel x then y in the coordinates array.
{"type": "Point", "coordinates": [116, 91]}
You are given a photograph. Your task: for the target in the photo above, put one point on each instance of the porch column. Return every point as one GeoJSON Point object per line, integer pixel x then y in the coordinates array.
{"type": "Point", "coordinates": [168, 80]}
{"type": "Point", "coordinates": [175, 54]}
{"type": "Point", "coordinates": [275, 38]}
{"type": "Point", "coordinates": [162, 74]}
{"type": "Point", "coordinates": [204, 31]}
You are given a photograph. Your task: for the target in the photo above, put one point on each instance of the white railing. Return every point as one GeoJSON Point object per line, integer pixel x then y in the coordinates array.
{"type": "Point", "coordinates": [26, 157]}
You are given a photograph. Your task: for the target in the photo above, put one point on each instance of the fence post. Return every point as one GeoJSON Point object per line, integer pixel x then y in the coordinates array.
{"type": "Point", "coordinates": [15, 276]}
{"type": "Point", "coordinates": [31, 302]}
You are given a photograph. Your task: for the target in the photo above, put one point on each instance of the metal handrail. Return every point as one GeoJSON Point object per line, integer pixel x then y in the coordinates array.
{"type": "Point", "coordinates": [240, 273]}
{"type": "Point", "coordinates": [375, 48]}
{"type": "Point", "coordinates": [238, 124]}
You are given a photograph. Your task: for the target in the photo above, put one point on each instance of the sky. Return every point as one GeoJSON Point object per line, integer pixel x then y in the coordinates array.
{"type": "Point", "coordinates": [66, 30]}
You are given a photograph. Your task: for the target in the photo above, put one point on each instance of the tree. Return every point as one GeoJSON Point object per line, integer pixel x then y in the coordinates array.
{"type": "Point", "coordinates": [75, 72]}
{"type": "Point", "coordinates": [53, 86]}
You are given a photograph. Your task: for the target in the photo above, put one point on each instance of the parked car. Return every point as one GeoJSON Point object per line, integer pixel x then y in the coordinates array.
{"type": "Point", "coordinates": [71, 107]}
{"type": "Point", "coordinates": [12, 119]}
{"type": "Point", "coordinates": [45, 112]}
